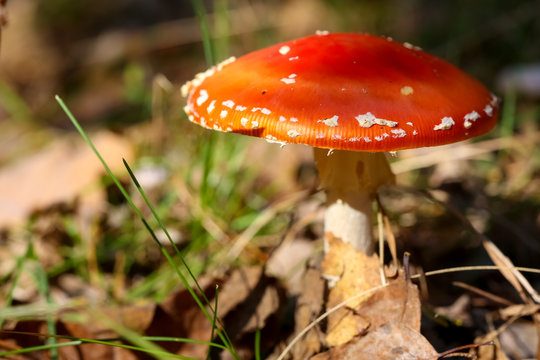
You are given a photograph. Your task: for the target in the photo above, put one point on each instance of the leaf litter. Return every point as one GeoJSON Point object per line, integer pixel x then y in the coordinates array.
{"type": "Point", "coordinates": [248, 301]}
{"type": "Point", "coordinates": [509, 178]}
{"type": "Point", "coordinates": [57, 174]}
{"type": "Point", "coordinates": [383, 325]}
{"type": "Point", "coordinates": [512, 313]}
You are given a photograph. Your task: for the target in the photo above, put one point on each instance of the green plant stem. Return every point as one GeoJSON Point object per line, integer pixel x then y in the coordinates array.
{"type": "Point", "coordinates": [40, 347]}
{"type": "Point", "coordinates": [200, 13]}
{"type": "Point", "coordinates": [213, 319]}
{"type": "Point", "coordinates": [208, 162]}
{"type": "Point", "coordinates": [508, 116]}
{"type": "Point", "coordinates": [258, 344]}
{"type": "Point", "coordinates": [18, 271]}
{"type": "Point", "coordinates": [184, 280]}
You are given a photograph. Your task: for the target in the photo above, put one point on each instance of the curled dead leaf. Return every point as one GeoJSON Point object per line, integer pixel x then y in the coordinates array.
{"type": "Point", "coordinates": [388, 342]}
{"type": "Point", "coordinates": [356, 273]}
{"type": "Point", "coordinates": [58, 174]}
{"type": "Point", "coordinates": [247, 300]}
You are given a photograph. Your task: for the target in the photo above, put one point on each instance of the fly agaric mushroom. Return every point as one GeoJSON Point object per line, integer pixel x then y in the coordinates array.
{"type": "Point", "coordinates": [355, 94]}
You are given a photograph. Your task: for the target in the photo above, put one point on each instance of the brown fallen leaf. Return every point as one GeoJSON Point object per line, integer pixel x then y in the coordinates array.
{"type": "Point", "coordinates": [309, 306]}
{"type": "Point", "coordinates": [86, 351]}
{"type": "Point", "coordinates": [136, 318]}
{"type": "Point", "coordinates": [397, 303]}
{"type": "Point", "coordinates": [493, 352]}
{"type": "Point", "coordinates": [388, 342]}
{"type": "Point", "coordinates": [356, 273]}
{"type": "Point", "coordinates": [519, 310]}
{"type": "Point", "coordinates": [458, 312]}
{"type": "Point", "coordinates": [385, 325]}
{"type": "Point", "coordinates": [13, 341]}
{"type": "Point", "coordinates": [284, 262]}
{"type": "Point", "coordinates": [247, 300]}
{"type": "Point", "coordinates": [58, 174]}
{"type": "Point", "coordinates": [178, 316]}
{"type": "Point", "coordinates": [393, 314]}
{"type": "Point", "coordinates": [520, 340]}
{"type": "Point", "coordinates": [496, 350]}
{"type": "Point", "coordinates": [525, 290]}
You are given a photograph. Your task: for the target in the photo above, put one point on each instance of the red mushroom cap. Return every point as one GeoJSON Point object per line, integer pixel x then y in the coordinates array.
{"type": "Point", "coordinates": [342, 91]}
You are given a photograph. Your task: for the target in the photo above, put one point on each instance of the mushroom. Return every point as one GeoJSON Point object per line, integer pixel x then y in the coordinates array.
{"type": "Point", "coordinates": [350, 96]}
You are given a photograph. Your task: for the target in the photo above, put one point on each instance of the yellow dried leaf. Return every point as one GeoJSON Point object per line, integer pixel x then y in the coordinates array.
{"type": "Point", "coordinates": [357, 273]}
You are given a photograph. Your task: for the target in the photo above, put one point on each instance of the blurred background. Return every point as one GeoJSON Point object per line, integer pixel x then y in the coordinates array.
{"type": "Point", "coordinates": [119, 65]}
{"type": "Point", "coordinates": [102, 56]}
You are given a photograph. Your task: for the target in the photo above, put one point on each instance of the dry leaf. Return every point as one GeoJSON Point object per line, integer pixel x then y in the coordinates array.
{"type": "Point", "coordinates": [357, 273]}
{"type": "Point", "coordinates": [492, 352]}
{"type": "Point", "coordinates": [397, 303]}
{"type": "Point", "coordinates": [57, 174]}
{"type": "Point", "coordinates": [512, 275]}
{"type": "Point", "coordinates": [518, 281]}
{"type": "Point", "coordinates": [394, 315]}
{"type": "Point", "coordinates": [285, 260]}
{"type": "Point", "coordinates": [247, 300]}
{"type": "Point", "coordinates": [390, 317]}
{"type": "Point", "coordinates": [133, 317]}
{"type": "Point", "coordinates": [520, 340]}
{"type": "Point", "coordinates": [179, 316]}
{"type": "Point", "coordinates": [309, 306]}
{"type": "Point", "coordinates": [388, 342]}
{"type": "Point", "coordinates": [519, 310]}
{"type": "Point", "coordinates": [18, 341]}
{"type": "Point", "coordinates": [458, 311]}
{"type": "Point", "coordinates": [88, 351]}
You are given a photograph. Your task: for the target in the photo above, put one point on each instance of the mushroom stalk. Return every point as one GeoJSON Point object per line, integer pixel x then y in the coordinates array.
{"type": "Point", "coordinates": [351, 179]}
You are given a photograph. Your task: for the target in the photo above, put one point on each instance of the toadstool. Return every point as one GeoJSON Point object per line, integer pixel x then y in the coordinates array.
{"type": "Point", "coordinates": [350, 96]}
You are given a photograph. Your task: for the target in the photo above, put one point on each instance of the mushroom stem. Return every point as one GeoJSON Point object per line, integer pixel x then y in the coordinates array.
{"type": "Point", "coordinates": [351, 179]}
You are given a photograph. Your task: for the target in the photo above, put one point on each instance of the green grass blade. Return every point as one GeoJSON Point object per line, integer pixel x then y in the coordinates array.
{"type": "Point", "coordinates": [213, 318]}
{"type": "Point", "coordinates": [54, 346]}
{"type": "Point", "coordinates": [258, 344]}
{"type": "Point", "coordinates": [214, 311]}
{"type": "Point", "coordinates": [40, 276]}
{"type": "Point", "coordinates": [143, 220]}
{"type": "Point", "coordinates": [132, 336]}
{"type": "Point", "coordinates": [18, 271]}
{"type": "Point", "coordinates": [508, 114]}
{"type": "Point", "coordinates": [91, 144]}
{"type": "Point", "coordinates": [208, 163]}
{"type": "Point", "coordinates": [211, 59]}
{"type": "Point", "coordinates": [160, 354]}
{"type": "Point", "coordinates": [42, 282]}
{"type": "Point", "coordinates": [184, 340]}
{"type": "Point", "coordinates": [108, 342]}
{"type": "Point", "coordinates": [200, 13]}
{"type": "Point", "coordinates": [222, 28]}
{"type": "Point", "coordinates": [13, 103]}
{"type": "Point", "coordinates": [110, 173]}
{"type": "Point", "coordinates": [164, 228]}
